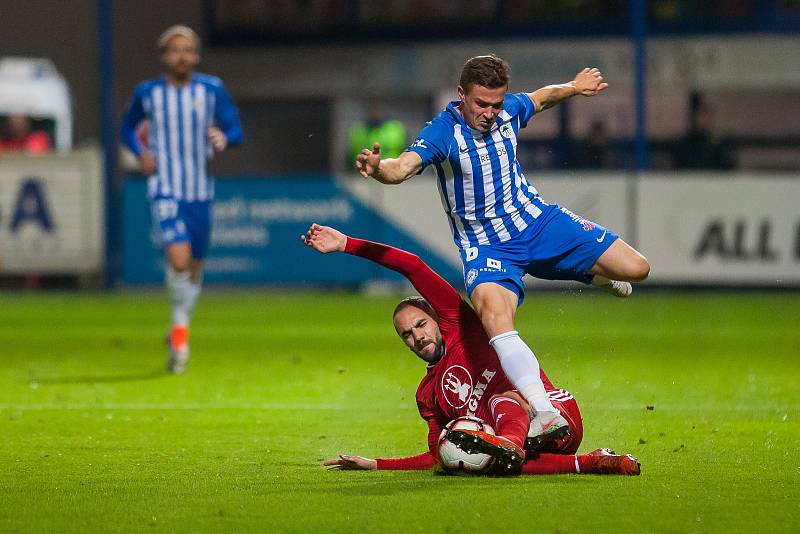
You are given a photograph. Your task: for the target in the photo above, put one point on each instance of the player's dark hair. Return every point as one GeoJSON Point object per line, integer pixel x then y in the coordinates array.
{"type": "Point", "coordinates": [487, 71]}
{"type": "Point", "coordinates": [417, 302]}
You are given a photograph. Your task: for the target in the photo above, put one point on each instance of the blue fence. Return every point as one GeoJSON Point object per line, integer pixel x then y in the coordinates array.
{"type": "Point", "coordinates": [256, 235]}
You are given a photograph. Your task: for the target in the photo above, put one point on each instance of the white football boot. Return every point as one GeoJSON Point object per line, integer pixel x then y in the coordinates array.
{"type": "Point", "coordinates": [545, 427]}
{"type": "Point", "coordinates": [613, 287]}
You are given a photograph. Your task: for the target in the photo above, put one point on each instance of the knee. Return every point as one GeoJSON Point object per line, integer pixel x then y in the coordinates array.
{"type": "Point", "coordinates": [640, 269]}
{"type": "Point", "coordinates": [510, 395]}
{"type": "Point", "coordinates": [495, 306]}
{"type": "Point", "coordinates": [180, 264]}
{"type": "Point", "coordinates": [495, 320]}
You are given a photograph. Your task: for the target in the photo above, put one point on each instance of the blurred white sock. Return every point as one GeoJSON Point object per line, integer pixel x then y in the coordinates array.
{"type": "Point", "coordinates": [179, 288]}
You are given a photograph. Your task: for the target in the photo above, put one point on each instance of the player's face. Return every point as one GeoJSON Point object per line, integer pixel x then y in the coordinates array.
{"type": "Point", "coordinates": [481, 105]}
{"type": "Point", "coordinates": [181, 56]}
{"type": "Point", "coordinates": [420, 332]}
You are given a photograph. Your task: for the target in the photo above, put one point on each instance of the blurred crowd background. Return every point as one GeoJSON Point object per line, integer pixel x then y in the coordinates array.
{"type": "Point", "coordinates": [315, 80]}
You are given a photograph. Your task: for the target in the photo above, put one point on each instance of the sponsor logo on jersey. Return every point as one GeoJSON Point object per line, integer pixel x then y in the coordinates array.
{"type": "Point", "coordinates": [458, 390]}
{"type": "Point", "coordinates": [478, 391]}
{"type": "Point", "coordinates": [419, 143]}
{"type": "Point", "coordinates": [506, 130]}
{"type": "Point", "coordinates": [456, 386]}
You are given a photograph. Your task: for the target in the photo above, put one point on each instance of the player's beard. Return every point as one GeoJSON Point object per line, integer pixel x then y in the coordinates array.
{"type": "Point", "coordinates": [182, 71]}
{"type": "Point", "coordinates": [437, 354]}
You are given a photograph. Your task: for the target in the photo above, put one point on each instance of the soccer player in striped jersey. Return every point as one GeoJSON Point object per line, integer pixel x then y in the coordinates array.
{"type": "Point", "coordinates": [189, 116]}
{"type": "Point", "coordinates": [500, 224]}
{"type": "Point", "coordinates": [464, 378]}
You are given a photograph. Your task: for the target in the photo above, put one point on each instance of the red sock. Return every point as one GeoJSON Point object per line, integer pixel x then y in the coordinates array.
{"type": "Point", "coordinates": [510, 420]}
{"type": "Point", "coordinates": [558, 464]}
{"type": "Point", "coordinates": [179, 337]}
{"type": "Point", "coordinates": [586, 462]}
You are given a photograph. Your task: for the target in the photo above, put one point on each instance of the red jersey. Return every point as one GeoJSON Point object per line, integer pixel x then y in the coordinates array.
{"type": "Point", "coordinates": [469, 373]}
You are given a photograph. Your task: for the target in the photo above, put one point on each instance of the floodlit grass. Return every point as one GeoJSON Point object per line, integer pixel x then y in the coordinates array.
{"type": "Point", "coordinates": [96, 436]}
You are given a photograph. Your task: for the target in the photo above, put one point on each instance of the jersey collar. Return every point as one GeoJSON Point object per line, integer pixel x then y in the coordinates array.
{"type": "Point", "coordinates": [192, 79]}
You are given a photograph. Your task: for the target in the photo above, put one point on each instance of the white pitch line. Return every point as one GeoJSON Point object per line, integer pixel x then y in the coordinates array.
{"type": "Point", "coordinates": [700, 408]}
{"type": "Point", "coordinates": [170, 406]}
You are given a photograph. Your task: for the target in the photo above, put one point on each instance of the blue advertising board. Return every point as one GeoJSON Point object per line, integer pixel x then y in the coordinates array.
{"type": "Point", "coordinates": [256, 235]}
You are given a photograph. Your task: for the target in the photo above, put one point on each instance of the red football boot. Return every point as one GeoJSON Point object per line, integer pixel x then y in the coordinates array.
{"type": "Point", "coordinates": [608, 463]}
{"type": "Point", "coordinates": [508, 455]}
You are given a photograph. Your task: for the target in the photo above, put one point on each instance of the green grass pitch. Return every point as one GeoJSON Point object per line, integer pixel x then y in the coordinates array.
{"type": "Point", "coordinates": [96, 437]}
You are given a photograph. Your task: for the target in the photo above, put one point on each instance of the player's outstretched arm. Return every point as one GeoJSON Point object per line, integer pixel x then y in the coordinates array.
{"type": "Point", "coordinates": [587, 82]}
{"type": "Point", "coordinates": [324, 239]}
{"type": "Point", "coordinates": [387, 171]}
{"type": "Point", "coordinates": [441, 295]}
{"type": "Point", "coordinates": [348, 462]}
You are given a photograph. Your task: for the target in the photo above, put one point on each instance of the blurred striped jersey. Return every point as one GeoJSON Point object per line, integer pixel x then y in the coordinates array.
{"type": "Point", "coordinates": [176, 132]}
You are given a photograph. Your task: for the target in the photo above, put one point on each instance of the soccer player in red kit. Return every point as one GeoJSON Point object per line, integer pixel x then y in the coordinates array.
{"type": "Point", "coordinates": [464, 377]}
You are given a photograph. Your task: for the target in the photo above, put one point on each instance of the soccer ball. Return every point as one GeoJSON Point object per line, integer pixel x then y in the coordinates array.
{"type": "Point", "coordinates": [453, 458]}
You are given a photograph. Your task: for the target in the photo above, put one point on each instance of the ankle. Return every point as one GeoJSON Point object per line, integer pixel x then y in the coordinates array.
{"type": "Point", "coordinates": [179, 337]}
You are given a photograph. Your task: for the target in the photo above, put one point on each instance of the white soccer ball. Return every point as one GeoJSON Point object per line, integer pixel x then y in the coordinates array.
{"type": "Point", "coordinates": [453, 458]}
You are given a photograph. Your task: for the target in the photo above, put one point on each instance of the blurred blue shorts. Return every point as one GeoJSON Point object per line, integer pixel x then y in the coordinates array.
{"type": "Point", "coordinates": [179, 222]}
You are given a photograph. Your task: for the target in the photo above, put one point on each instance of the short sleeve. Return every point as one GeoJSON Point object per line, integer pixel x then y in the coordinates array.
{"type": "Point", "coordinates": [433, 143]}
{"type": "Point", "coordinates": [524, 108]}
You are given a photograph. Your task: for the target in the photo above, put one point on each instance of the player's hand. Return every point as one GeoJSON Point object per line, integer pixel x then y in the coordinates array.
{"type": "Point", "coordinates": [367, 161]}
{"type": "Point", "coordinates": [589, 82]}
{"type": "Point", "coordinates": [346, 462]}
{"type": "Point", "coordinates": [147, 163]}
{"type": "Point", "coordinates": [324, 239]}
{"type": "Point", "coordinates": [217, 139]}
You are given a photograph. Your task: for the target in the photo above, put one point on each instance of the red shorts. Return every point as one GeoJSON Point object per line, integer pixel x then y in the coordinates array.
{"type": "Point", "coordinates": [564, 402]}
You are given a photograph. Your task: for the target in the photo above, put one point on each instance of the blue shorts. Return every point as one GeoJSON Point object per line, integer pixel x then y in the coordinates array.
{"type": "Point", "coordinates": [179, 222]}
{"type": "Point", "coordinates": [562, 246]}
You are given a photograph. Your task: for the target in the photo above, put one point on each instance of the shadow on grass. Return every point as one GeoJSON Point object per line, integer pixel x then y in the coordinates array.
{"type": "Point", "coordinates": [104, 379]}
{"type": "Point", "coordinates": [388, 483]}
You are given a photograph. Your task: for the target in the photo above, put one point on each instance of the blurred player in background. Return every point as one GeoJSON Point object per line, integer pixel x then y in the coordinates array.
{"type": "Point", "coordinates": [19, 137]}
{"type": "Point", "coordinates": [464, 377]}
{"type": "Point", "coordinates": [189, 115]}
{"type": "Point", "coordinates": [500, 224]}
{"type": "Point", "coordinates": [389, 134]}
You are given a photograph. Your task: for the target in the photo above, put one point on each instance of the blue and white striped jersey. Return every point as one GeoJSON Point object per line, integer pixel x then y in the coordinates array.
{"type": "Point", "coordinates": [178, 119]}
{"type": "Point", "coordinates": [483, 191]}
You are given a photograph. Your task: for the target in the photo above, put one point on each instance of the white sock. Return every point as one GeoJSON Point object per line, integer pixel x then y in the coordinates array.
{"type": "Point", "coordinates": [179, 287]}
{"type": "Point", "coordinates": [522, 368]}
{"type": "Point", "coordinates": [195, 288]}
{"type": "Point", "coordinates": [600, 281]}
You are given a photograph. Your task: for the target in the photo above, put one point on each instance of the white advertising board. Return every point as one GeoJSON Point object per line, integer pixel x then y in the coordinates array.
{"type": "Point", "coordinates": [737, 229]}
{"type": "Point", "coordinates": [698, 228]}
{"type": "Point", "coordinates": [51, 214]}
